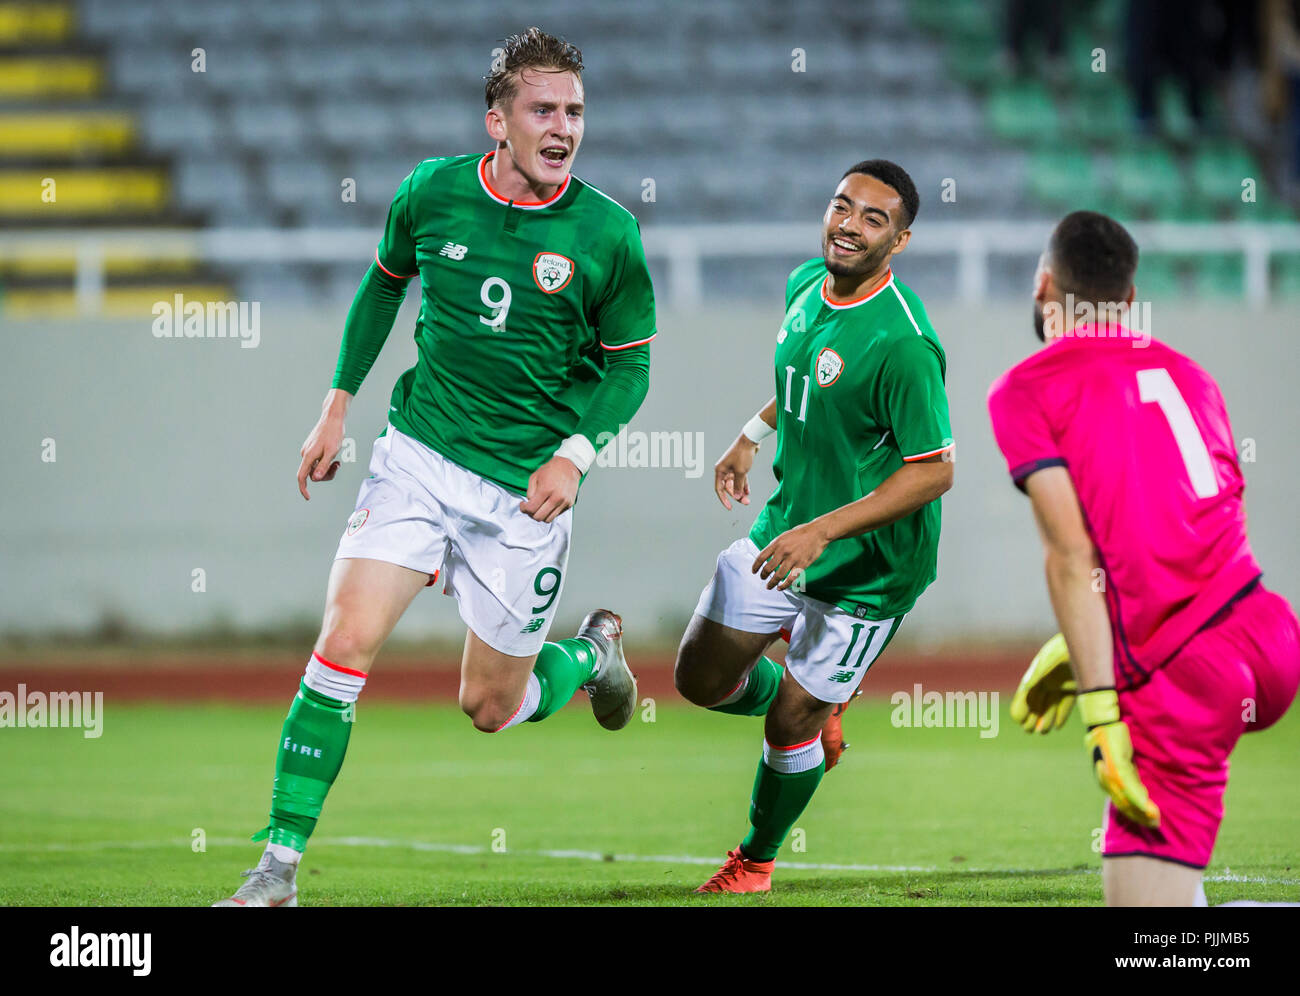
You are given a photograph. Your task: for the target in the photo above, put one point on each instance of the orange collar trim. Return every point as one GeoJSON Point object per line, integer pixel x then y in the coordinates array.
{"type": "Point", "coordinates": [889, 276]}
{"type": "Point", "coordinates": [527, 205]}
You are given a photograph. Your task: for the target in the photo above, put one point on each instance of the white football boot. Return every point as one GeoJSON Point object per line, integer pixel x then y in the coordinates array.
{"type": "Point", "coordinates": [612, 687]}
{"type": "Point", "coordinates": [271, 883]}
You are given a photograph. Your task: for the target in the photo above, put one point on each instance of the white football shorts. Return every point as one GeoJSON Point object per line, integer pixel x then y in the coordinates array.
{"type": "Point", "coordinates": [830, 649]}
{"type": "Point", "coordinates": [419, 510]}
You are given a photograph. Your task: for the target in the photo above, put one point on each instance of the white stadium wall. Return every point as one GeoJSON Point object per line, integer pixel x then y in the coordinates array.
{"type": "Point", "coordinates": [173, 456]}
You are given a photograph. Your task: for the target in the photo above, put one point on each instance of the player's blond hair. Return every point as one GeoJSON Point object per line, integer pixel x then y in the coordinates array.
{"type": "Point", "coordinates": [533, 49]}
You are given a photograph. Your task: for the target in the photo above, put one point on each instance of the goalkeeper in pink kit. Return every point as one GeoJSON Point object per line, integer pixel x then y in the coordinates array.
{"type": "Point", "coordinates": [1170, 643]}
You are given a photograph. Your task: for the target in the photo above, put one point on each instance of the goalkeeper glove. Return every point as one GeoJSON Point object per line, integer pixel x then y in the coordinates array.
{"type": "Point", "coordinates": [1107, 741]}
{"type": "Point", "coordinates": [1046, 693]}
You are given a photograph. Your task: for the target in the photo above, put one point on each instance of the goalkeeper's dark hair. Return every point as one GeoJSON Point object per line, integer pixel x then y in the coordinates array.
{"type": "Point", "coordinates": [1093, 257]}
{"type": "Point", "coordinates": [892, 175]}
{"type": "Point", "coordinates": [533, 49]}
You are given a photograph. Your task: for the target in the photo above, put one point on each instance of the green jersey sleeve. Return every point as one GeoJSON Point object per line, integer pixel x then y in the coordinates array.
{"type": "Point", "coordinates": [625, 313]}
{"type": "Point", "coordinates": [396, 252]}
{"type": "Point", "coordinates": [912, 398]}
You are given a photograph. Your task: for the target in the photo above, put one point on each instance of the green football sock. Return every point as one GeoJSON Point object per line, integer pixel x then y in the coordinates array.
{"type": "Point", "coordinates": [562, 668]}
{"type": "Point", "coordinates": [313, 741]}
{"type": "Point", "coordinates": [777, 802]}
{"type": "Point", "coordinates": [760, 690]}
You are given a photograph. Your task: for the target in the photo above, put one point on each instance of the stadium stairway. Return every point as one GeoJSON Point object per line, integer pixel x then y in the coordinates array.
{"type": "Point", "coordinates": [70, 160]}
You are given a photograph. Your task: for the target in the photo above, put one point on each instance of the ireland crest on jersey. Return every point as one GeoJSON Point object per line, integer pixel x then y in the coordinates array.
{"type": "Point", "coordinates": [829, 366]}
{"type": "Point", "coordinates": [552, 271]}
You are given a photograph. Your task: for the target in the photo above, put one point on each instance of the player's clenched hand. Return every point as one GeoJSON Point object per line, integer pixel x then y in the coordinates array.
{"type": "Point", "coordinates": [787, 556]}
{"type": "Point", "coordinates": [1045, 697]}
{"type": "Point", "coordinates": [1111, 749]}
{"type": "Point", "coordinates": [731, 472]}
{"type": "Point", "coordinates": [319, 451]}
{"type": "Point", "coordinates": [552, 489]}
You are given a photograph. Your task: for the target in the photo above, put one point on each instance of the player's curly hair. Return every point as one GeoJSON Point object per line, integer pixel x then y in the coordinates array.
{"type": "Point", "coordinates": [533, 49]}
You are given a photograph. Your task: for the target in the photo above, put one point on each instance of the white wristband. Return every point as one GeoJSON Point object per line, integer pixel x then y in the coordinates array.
{"type": "Point", "coordinates": [756, 430]}
{"type": "Point", "coordinates": [577, 449]}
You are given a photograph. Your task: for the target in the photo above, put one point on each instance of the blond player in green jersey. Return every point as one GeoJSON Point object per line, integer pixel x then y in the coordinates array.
{"type": "Point", "coordinates": [532, 341]}
{"type": "Point", "coordinates": [847, 541]}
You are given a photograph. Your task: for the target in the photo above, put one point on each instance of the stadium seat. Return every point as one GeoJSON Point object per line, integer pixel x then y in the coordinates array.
{"type": "Point", "coordinates": [1286, 274]}
{"type": "Point", "coordinates": [1025, 113]}
{"type": "Point", "coordinates": [1218, 170]}
{"type": "Point", "coordinates": [1159, 276]}
{"type": "Point", "coordinates": [1148, 181]}
{"type": "Point", "coordinates": [1219, 275]}
{"type": "Point", "coordinates": [1064, 180]}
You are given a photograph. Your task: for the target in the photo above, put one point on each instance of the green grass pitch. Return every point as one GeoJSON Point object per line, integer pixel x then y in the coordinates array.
{"type": "Point", "coordinates": [425, 805]}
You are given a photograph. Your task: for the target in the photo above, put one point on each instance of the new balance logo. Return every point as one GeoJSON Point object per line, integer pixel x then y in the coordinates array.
{"type": "Point", "coordinates": [533, 625]}
{"type": "Point", "coordinates": [453, 250]}
{"type": "Point", "coordinates": [842, 676]}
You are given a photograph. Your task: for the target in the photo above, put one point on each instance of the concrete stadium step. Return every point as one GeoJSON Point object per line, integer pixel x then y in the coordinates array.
{"type": "Point", "coordinates": [28, 76]}
{"type": "Point", "coordinates": [52, 134]}
{"type": "Point", "coordinates": [80, 192]}
{"type": "Point", "coordinates": [27, 23]}
{"type": "Point", "coordinates": [119, 301]}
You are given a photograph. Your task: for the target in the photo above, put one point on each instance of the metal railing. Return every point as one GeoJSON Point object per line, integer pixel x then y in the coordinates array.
{"type": "Point", "coordinates": [683, 249]}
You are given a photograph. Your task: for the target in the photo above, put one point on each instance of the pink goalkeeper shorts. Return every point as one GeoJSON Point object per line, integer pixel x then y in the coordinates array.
{"type": "Point", "coordinates": [1238, 675]}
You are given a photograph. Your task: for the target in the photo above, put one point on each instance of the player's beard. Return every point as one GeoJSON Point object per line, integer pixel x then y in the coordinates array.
{"type": "Point", "coordinates": [870, 262]}
{"type": "Point", "coordinates": [1039, 322]}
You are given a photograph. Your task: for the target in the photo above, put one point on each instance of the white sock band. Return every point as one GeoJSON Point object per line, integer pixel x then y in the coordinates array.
{"type": "Point", "coordinates": [532, 696]}
{"type": "Point", "coordinates": [792, 760]}
{"type": "Point", "coordinates": [282, 853]}
{"type": "Point", "coordinates": [342, 683]}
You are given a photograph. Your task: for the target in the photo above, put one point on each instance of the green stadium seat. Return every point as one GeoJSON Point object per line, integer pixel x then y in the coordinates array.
{"type": "Point", "coordinates": [1025, 113]}
{"type": "Point", "coordinates": [1148, 182]}
{"type": "Point", "coordinates": [1219, 275]}
{"type": "Point", "coordinates": [973, 24]}
{"type": "Point", "coordinates": [1104, 113]}
{"type": "Point", "coordinates": [975, 67]}
{"type": "Point", "coordinates": [1286, 274]}
{"type": "Point", "coordinates": [1217, 172]}
{"type": "Point", "coordinates": [1079, 61]}
{"type": "Point", "coordinates": [1065, 180]}
{"type": "Point", "coordinates": [1158, 276]}
{"type": "Point", "coordinates": [1265, 209]}
{"type": "Point", "coordinates": [1175, 122]}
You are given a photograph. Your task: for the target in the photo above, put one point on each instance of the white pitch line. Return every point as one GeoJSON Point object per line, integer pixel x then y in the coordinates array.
{"type": "Point", "coordinates": [581, 855]}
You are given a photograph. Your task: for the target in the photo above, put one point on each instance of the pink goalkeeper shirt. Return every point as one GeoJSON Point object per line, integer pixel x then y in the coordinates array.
{"type": "Point", "coordinates": [1144, 434]}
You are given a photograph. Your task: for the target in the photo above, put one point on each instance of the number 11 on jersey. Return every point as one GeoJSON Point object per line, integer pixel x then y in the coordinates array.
{"type": "Point", "coordinates": [803, 405]}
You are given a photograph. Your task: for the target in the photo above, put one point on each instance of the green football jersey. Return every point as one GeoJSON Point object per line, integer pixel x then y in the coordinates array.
{"type": "Point", "coordinates": [859, 391]}
{"type": "Point", "coordinates": [520, 303]}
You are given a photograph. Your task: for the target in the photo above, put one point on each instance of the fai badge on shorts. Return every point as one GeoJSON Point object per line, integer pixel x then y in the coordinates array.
{"type": "Point", "coordinates": [552, 272]}
{"type": "Point", "coordinates": [829, 367]}
{"type": "Point", "coordinates": [358, 520]}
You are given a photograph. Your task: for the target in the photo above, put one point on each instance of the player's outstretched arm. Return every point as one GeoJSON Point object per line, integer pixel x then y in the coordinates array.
{"type": "Point", "coordinates": [324, 441]}
{"type": "Point", "coordinates": [1080, 606]}
{"type": "Point", "coordinates": [731, 472]}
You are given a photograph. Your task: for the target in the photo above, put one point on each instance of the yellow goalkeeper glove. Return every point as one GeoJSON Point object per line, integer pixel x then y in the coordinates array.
{"type": "Point", "coordinates": [1108, 743]}
{"type": "Point", "coordinates": [1045, 697]}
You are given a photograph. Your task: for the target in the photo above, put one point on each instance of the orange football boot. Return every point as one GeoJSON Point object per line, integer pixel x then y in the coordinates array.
{"type": "Point", "coordinates": [833, 735]}
{"type": "Point", "coordinates": [740, 874]}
